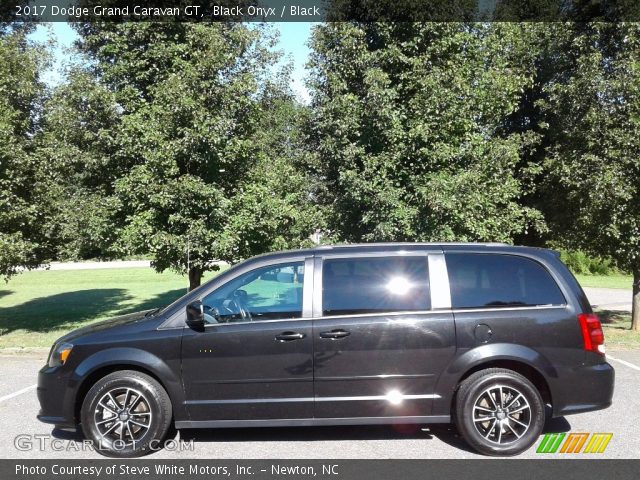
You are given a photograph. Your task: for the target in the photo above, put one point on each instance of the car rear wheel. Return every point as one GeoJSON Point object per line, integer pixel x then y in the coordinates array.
{"type": "Point", "coordinates": [499, 412]}
{"type": "Point", "coordinates": [126, 414]}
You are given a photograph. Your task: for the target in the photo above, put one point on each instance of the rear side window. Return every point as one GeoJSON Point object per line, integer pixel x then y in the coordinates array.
{"type": "Point", "coordinates": [375, 285]}
{"type": "Point", "coordinates": [488, 281]}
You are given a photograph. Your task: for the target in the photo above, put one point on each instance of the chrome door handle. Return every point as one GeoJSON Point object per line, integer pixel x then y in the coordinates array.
{"type": "Point", "coordinates": [289, 336]}
{"type": "Point", "coordinates": [335, 334]}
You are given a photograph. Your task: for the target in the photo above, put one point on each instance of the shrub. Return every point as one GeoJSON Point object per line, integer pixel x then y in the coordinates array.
{"type": "Point", "coordinates": [581, 263]}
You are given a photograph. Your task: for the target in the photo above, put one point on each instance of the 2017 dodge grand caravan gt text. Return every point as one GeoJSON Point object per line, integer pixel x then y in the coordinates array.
{"type": "Point", "coordinates": [490, 337]}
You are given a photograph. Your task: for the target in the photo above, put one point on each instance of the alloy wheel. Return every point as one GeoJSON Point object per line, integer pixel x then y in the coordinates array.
{"type": "Point", "coordinates": [501, 414]}
{"type": "Point", "coordinates": [122, 415]}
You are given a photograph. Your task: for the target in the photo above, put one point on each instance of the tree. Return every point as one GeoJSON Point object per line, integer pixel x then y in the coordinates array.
{"type": "Point", "coordinates": [272, 208]}
{"type": "Point", "coordinates": [592, 107]}
{"type": "Point", "coordinates": [79, 161]}
{"type": "Point", "coordinates": [407, 124]}
{"type": "Point", "coordinates": [193, 100]}
{"type": "Point", "coordinates": [20, 97]}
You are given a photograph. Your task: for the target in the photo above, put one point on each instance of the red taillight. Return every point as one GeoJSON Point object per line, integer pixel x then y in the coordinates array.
{"type": "Point", "coordinates": [592, 334]}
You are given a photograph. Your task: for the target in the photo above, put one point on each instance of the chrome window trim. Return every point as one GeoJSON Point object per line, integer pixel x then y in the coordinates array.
{"type": "Point", "coordinates": [307, 288]}
{"type": "Point", "coordinates": [395, 313]}
{"type": "Point", "coordinates": [317, 292]}
{"type": "Point", "coordinates": [257, 322]}
{"type": "Point", "coordinates": [439, 282]}
{"type": "Point", "coordinates": [441, 311]}
{"type": "Point", "coordinates": [310, 399]}
{"type": "Point", "coordinates": [508, 309]}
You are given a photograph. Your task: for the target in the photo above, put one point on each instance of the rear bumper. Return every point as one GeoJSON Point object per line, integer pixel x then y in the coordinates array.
{"type": "Point", "coordinates": [585, 389]}
{"type": "Point", "coordinates": [55, 407]}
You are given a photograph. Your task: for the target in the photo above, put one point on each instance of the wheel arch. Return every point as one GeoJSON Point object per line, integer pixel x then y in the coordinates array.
{"type": "Point", "coordinates": [524, 369]}
{"type": "Point", "coordinates": [519, 358]}
{"type": "Point", "coordinates": [108, 361]}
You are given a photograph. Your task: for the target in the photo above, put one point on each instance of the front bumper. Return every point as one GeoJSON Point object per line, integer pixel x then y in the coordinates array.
{"type": "Point", "coordinates": [585, 389]}
{"type": "Point", "coordinates": [56, 405]}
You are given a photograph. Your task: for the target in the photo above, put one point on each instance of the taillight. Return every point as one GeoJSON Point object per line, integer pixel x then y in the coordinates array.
{"type": "Point", "coordinates": [592, 334]}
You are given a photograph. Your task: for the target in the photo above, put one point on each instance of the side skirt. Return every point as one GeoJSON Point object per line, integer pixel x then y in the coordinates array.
{"type": "Point", "coordinates": [312, 422]}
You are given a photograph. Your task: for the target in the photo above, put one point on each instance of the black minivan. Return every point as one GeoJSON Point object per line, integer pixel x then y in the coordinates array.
{"type": "Point", "coordinates": [491, 337]}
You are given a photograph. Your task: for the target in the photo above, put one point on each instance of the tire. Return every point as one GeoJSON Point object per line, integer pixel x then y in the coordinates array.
{"type": "Point", "coordinates": [126, 414]}
{"type": "Point", "coordinates": [512, 426]}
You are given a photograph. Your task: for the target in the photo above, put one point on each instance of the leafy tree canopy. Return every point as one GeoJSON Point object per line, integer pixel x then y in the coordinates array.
{"type": "Point", "coordinates": [202, 180]}
{"type": "Point", "coordinates": [20, 99]}
{"type": "Point", "coordinates": [407, 121]}
{"type": "Point", "coordinates": [592, 163]}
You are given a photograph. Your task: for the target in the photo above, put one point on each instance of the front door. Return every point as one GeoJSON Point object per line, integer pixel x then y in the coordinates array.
{"type": "Point", "coordinates": [378, 344]}
{"type": "Point", "coordinates": [253, 360]}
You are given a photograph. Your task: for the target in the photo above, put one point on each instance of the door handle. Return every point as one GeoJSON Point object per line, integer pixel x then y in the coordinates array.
{"type": "Point", "coordinates": [289, 336]}
{"type": "Point", "coordinates": [335, 334]}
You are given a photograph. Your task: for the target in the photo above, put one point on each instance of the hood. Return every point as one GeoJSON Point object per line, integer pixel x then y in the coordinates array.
{"type": "Point", "coordinates": [106, 324]}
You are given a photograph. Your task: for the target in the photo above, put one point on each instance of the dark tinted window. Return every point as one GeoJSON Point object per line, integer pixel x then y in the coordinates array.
{"type": "Point", "coordinates": [480, 280]}
{"type": "Point", "coordinates": [371, 285]}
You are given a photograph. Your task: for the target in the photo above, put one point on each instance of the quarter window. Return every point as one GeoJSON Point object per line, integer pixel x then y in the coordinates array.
{"type": "Point", "coordinates": [375, 285]}
{"type": "Point", "coordinates": [268, 293]}
{"type": "Point", "coordinates": [493, 281]}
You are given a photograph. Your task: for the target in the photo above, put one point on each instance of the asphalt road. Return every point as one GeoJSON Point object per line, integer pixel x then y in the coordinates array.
{"type": "Point", "coordinates": [19, 406]}
{"type": "Point", "coordinates": [609, 298]}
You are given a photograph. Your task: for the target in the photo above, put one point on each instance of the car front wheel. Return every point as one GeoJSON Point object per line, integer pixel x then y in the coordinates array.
{"type": "Point", "coordinates": [126, 414]}
{"type": "Point", "coordinates": [499, 412]}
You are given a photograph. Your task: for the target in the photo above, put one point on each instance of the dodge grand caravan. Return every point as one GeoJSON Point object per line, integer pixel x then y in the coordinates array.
{"type": "Point", "coordinates": [490, 337]}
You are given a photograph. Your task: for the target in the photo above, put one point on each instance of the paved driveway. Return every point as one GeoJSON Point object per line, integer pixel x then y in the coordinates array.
{"type": "Point", "coordinates": [609, 298]}
{"type": "Point", "coordinates": [19, 406]}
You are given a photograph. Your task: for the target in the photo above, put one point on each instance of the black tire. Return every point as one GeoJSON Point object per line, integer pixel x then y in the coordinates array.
{"type": "Point", "coordinates": [493, 394]}
{"type": "Point", "coordinates": [129, 427]}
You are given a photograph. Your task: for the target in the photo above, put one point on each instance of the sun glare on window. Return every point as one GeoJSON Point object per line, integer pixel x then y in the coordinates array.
{"type": "Point", "coordinates": [398, 286]}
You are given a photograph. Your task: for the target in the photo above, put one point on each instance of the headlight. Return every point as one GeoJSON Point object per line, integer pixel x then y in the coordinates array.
{"type": "Point", "coordinates": [59, 354]}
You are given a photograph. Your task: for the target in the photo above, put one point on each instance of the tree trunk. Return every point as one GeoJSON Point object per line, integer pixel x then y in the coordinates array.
{"type": "Point", "coordinates": [195, 276]}
{"type": "Point", "coordinates": [635, 315]}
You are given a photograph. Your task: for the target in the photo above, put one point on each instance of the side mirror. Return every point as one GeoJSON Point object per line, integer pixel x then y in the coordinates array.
{"type": "Point", "coordinates": [195, 314]}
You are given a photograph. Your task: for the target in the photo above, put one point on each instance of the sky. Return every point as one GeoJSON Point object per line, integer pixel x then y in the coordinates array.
{"type": "Point", "coordinates": [294, 37]}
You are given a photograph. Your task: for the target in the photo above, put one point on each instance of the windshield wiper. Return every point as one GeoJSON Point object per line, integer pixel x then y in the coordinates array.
{"type": "Point", "coordinates": [152, 312]}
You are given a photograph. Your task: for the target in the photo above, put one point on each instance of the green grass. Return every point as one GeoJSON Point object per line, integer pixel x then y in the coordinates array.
{"type": "Point", "coordinates": [265, 292]}
{"type": "Point", "coordinates": [606, 281]}
{"type": "Point", "coordinates": [617, 330]}
{"type": "Point", "coordinates": [39, 306]}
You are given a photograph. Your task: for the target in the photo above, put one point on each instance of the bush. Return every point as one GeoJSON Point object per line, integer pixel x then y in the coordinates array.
{"type": "Point", "coordinates": [581, 263]}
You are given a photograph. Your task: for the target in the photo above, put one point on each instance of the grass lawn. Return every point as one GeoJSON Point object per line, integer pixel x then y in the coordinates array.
{"type": "Point", "coordinates": [606, 281]}
{"type": "Point", "coordinates": [617, 330]}
{"type": "Point", "coordinates": [39, 306]}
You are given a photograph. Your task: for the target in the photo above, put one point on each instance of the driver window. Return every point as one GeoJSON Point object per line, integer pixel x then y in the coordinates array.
{"type": "Point", "coordinates": [268, 293]}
